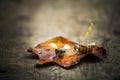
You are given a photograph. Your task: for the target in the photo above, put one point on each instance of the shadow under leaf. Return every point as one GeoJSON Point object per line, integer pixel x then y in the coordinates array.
{"type": "Point", "coordinates": [87, 59]}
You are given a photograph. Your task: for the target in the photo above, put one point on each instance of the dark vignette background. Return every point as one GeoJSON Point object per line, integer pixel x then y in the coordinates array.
{"type": "Point", "coordinates": [24, 23]}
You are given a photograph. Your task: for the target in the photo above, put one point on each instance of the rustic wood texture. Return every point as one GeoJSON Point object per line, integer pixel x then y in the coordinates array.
{"type": "Point", "coordinates": [25, 23]}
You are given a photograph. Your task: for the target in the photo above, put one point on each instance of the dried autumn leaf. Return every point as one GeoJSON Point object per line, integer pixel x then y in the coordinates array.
{"type": "Point", "coordinates": [61, 51]}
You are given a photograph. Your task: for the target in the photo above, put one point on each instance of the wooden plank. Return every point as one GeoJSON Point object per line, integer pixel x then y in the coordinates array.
{"type": "Point", "coordinates": [25, 23]}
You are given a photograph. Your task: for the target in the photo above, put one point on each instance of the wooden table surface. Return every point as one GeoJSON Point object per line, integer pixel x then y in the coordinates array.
{"type": "Point", "coordinates": [25, 23]}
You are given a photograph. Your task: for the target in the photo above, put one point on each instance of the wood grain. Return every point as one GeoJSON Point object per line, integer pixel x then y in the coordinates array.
{"type": "Point", "coordinates": [25, 23]}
